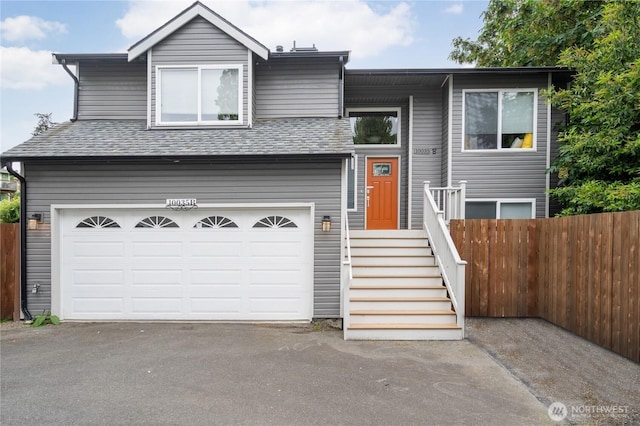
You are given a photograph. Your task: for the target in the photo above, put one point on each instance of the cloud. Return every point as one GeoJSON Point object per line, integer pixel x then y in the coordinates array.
{"type": "Point", "coordinates": [22, 28]}
{"type": "Point", "coordinates": [455, 9]}
{"type": "Point", "coordinates": [23, 68]}
{"type": "Point", "coordinates": [354, 25]}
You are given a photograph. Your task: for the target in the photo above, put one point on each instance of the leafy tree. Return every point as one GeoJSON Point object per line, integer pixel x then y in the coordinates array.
{"type": "Point", "coordinates": [529, 32]}
{"type": "Point", "coordinates": [599, 155]}
{"type": "Point", "coordinates": [373, 130]}
{"type": "Point", "coordinates": [228, 95]}
{"type": "Point", "coordinates": [44, 123]}
{"type": "Point", "coordinates": [10, 210]}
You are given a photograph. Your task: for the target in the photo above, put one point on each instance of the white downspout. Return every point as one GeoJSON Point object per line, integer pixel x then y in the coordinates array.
{"type": "Point", "coordinates": [250, 88]}
{"type": "Point", "coordinates": [548, 162]}
{"type": "Point", "coordinates": [149, 86]}
{"type": "Point", "coordinates": [450, 134]}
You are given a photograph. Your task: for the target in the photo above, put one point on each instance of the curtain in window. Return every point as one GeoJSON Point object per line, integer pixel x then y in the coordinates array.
{"type": "Point", "coordinates": [517, 112]}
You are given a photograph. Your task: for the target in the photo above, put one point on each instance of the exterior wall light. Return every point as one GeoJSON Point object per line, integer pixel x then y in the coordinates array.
{"type": "Point", "coordinates": [326, 224]}
{"type": "Point", "coordinates": [34, 220]}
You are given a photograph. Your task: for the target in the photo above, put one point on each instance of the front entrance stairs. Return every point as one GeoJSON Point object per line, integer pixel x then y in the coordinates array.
{"type": "Point", "coordinates": [397, 291]}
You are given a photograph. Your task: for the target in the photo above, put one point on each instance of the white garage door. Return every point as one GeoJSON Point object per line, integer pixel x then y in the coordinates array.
{"type": "Point", "coordinates": [202, 264]}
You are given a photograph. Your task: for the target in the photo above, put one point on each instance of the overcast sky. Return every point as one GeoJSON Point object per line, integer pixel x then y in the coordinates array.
{"type": "Point", "coordinates": [379, 34]}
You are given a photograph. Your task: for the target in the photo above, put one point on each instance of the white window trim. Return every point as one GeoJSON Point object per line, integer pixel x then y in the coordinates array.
{"type": "Point", "coordinates": [353, 161]}
{"type": "Point", "coordinates": [199, 68]}
{"type": "Point", "coordinates": [500, 201]}
{"type": "Point", "coordinates": [499, 148]}
{"type": "Point", "coordinates": [397, 110]}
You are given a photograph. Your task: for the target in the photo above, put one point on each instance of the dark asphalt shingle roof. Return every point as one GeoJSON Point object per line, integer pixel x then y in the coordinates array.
{"type": "Point", "coordinates": [130, 138]}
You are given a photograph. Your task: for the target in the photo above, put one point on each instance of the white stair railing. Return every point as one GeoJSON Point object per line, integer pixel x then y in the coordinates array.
{"type": "Point", "coordinates": [445, 252]}
{"type": "Point", "coordinates": [347, 275]}
{"type": "Point", "coordinates": [450, 200]}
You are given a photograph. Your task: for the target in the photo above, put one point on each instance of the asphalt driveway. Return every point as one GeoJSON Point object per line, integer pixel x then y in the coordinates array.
{"type": "Point", "coordinates": [170, 373]}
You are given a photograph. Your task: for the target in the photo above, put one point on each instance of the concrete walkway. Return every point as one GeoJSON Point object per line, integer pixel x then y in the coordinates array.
{"type": "Point", "coordinates": [203, 374]}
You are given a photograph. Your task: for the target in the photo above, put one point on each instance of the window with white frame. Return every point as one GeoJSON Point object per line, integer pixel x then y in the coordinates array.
{"type": "Point", "coordinates": [210, 94]}
{"type": "Point", "coordinates": [499, 119]}
{"type": "Point", "coordinates": [375, 126]}
{"type": "Point", "coordinates": [500, 209]}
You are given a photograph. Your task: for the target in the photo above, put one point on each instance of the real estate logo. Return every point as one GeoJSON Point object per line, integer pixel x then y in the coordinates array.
{"type": "Point", "coordinates": [557, 411]}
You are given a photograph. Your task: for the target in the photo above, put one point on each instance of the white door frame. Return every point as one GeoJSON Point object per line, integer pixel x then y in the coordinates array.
{"type": "Point", "coordinates": [366, 174]}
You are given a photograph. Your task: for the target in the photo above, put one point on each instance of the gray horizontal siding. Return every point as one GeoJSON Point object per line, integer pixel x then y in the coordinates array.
{"type": "Point", "coordinates": [290, 88]}
{"type": "Point", "coordinates": [112, 91]}
{"type": "Point", "coordinates": [506, 174]}
{"type": "Point", "coordinates": [427, 137]}
{"type": "Point", "coordinates": [445, 134]}
{"type": "Point", "coordinates": [130, 183]}
{"type": "Point", "coordinates": [199, 43]}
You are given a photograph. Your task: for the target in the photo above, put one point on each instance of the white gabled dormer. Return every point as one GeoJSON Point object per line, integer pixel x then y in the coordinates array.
{"type": "Point", "coordinates": [199, 71]}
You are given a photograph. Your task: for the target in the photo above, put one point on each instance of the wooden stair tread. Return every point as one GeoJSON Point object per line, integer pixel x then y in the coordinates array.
{"type": "Point", "coordinates": [396, 276]}
{"type": "Point", "coordinates": [397, 287]}
{"type": "Point", "coordinates": [403, 326]}
{"type": "Point", "coordinates": [432, 312]}
{"type": "Point", "coordinates": [399, 299]}
{"type": "Point", "coordinates": [392, 255]}
{"type": "Point", "coordinates": [394, 266]}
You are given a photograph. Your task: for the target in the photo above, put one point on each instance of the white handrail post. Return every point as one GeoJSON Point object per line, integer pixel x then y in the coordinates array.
{"type": "Point", "coordinates": [463, 199]}
{"type": "Point", "coordinates": [347, 276]}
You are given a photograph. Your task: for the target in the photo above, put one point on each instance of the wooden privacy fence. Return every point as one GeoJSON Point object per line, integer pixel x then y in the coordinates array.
{"type": "Point", "coordinates": [10, 271]}
{"type": "Point", "coordinates": [580, 272]}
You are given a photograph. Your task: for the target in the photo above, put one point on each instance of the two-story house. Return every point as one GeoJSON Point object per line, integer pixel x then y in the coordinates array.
{"type": "Point", "coordinates": [205, 177]}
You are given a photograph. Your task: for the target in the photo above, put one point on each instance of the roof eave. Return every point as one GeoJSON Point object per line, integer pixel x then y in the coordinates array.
{"type": "Point", "coordinates": [479, 70]}
{"type": "Point", "coordinates": [173, 158]}
{"type": "Point", "coordinates": [197, 9]}
{"type": "Point", "coordinates": [296, 55]}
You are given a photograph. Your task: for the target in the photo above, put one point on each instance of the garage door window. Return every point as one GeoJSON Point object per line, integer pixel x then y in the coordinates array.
{"type": "Point", "coordinates": [98, 222]}
{"type": "Point", "coordinates": [215, 222]}
{"type": "Point", "coordinates": [275, 222]}
{"type": "Point", "coordinates": [157, 222]}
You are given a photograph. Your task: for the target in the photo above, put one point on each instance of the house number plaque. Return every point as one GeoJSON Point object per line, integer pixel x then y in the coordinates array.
{"type": "Point", "coordinates": [181, 203]}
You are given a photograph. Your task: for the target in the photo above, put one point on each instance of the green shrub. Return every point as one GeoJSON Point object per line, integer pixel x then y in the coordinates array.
{"type": "Point", "coordinates": [10, 211]}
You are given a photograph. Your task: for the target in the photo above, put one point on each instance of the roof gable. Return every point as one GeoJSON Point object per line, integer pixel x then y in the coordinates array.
{"type": "Point", "coordinates": [197, 9]}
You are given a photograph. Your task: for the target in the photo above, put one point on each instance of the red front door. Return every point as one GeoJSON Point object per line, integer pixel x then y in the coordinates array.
{"type": "Point", "coordinates": [381, 202]}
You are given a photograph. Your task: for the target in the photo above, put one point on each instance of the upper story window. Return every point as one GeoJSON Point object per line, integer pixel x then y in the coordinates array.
{"type": "Point", "coordinates": [210, 94]}
{"type": "Point", "coordinates": [499, 119]}
{"type": "Point", "coordinates": [375, 126]}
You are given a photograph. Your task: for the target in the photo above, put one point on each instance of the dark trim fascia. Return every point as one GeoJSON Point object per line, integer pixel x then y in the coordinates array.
{"type": "Point", "coordinates": [447, 71]}
{"type": "Point", "coordinates": [93, 57]}
{"type": "Point", "coordinates": [310, 55]}
{"type": "Point", "coordinates": [180, 158]}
